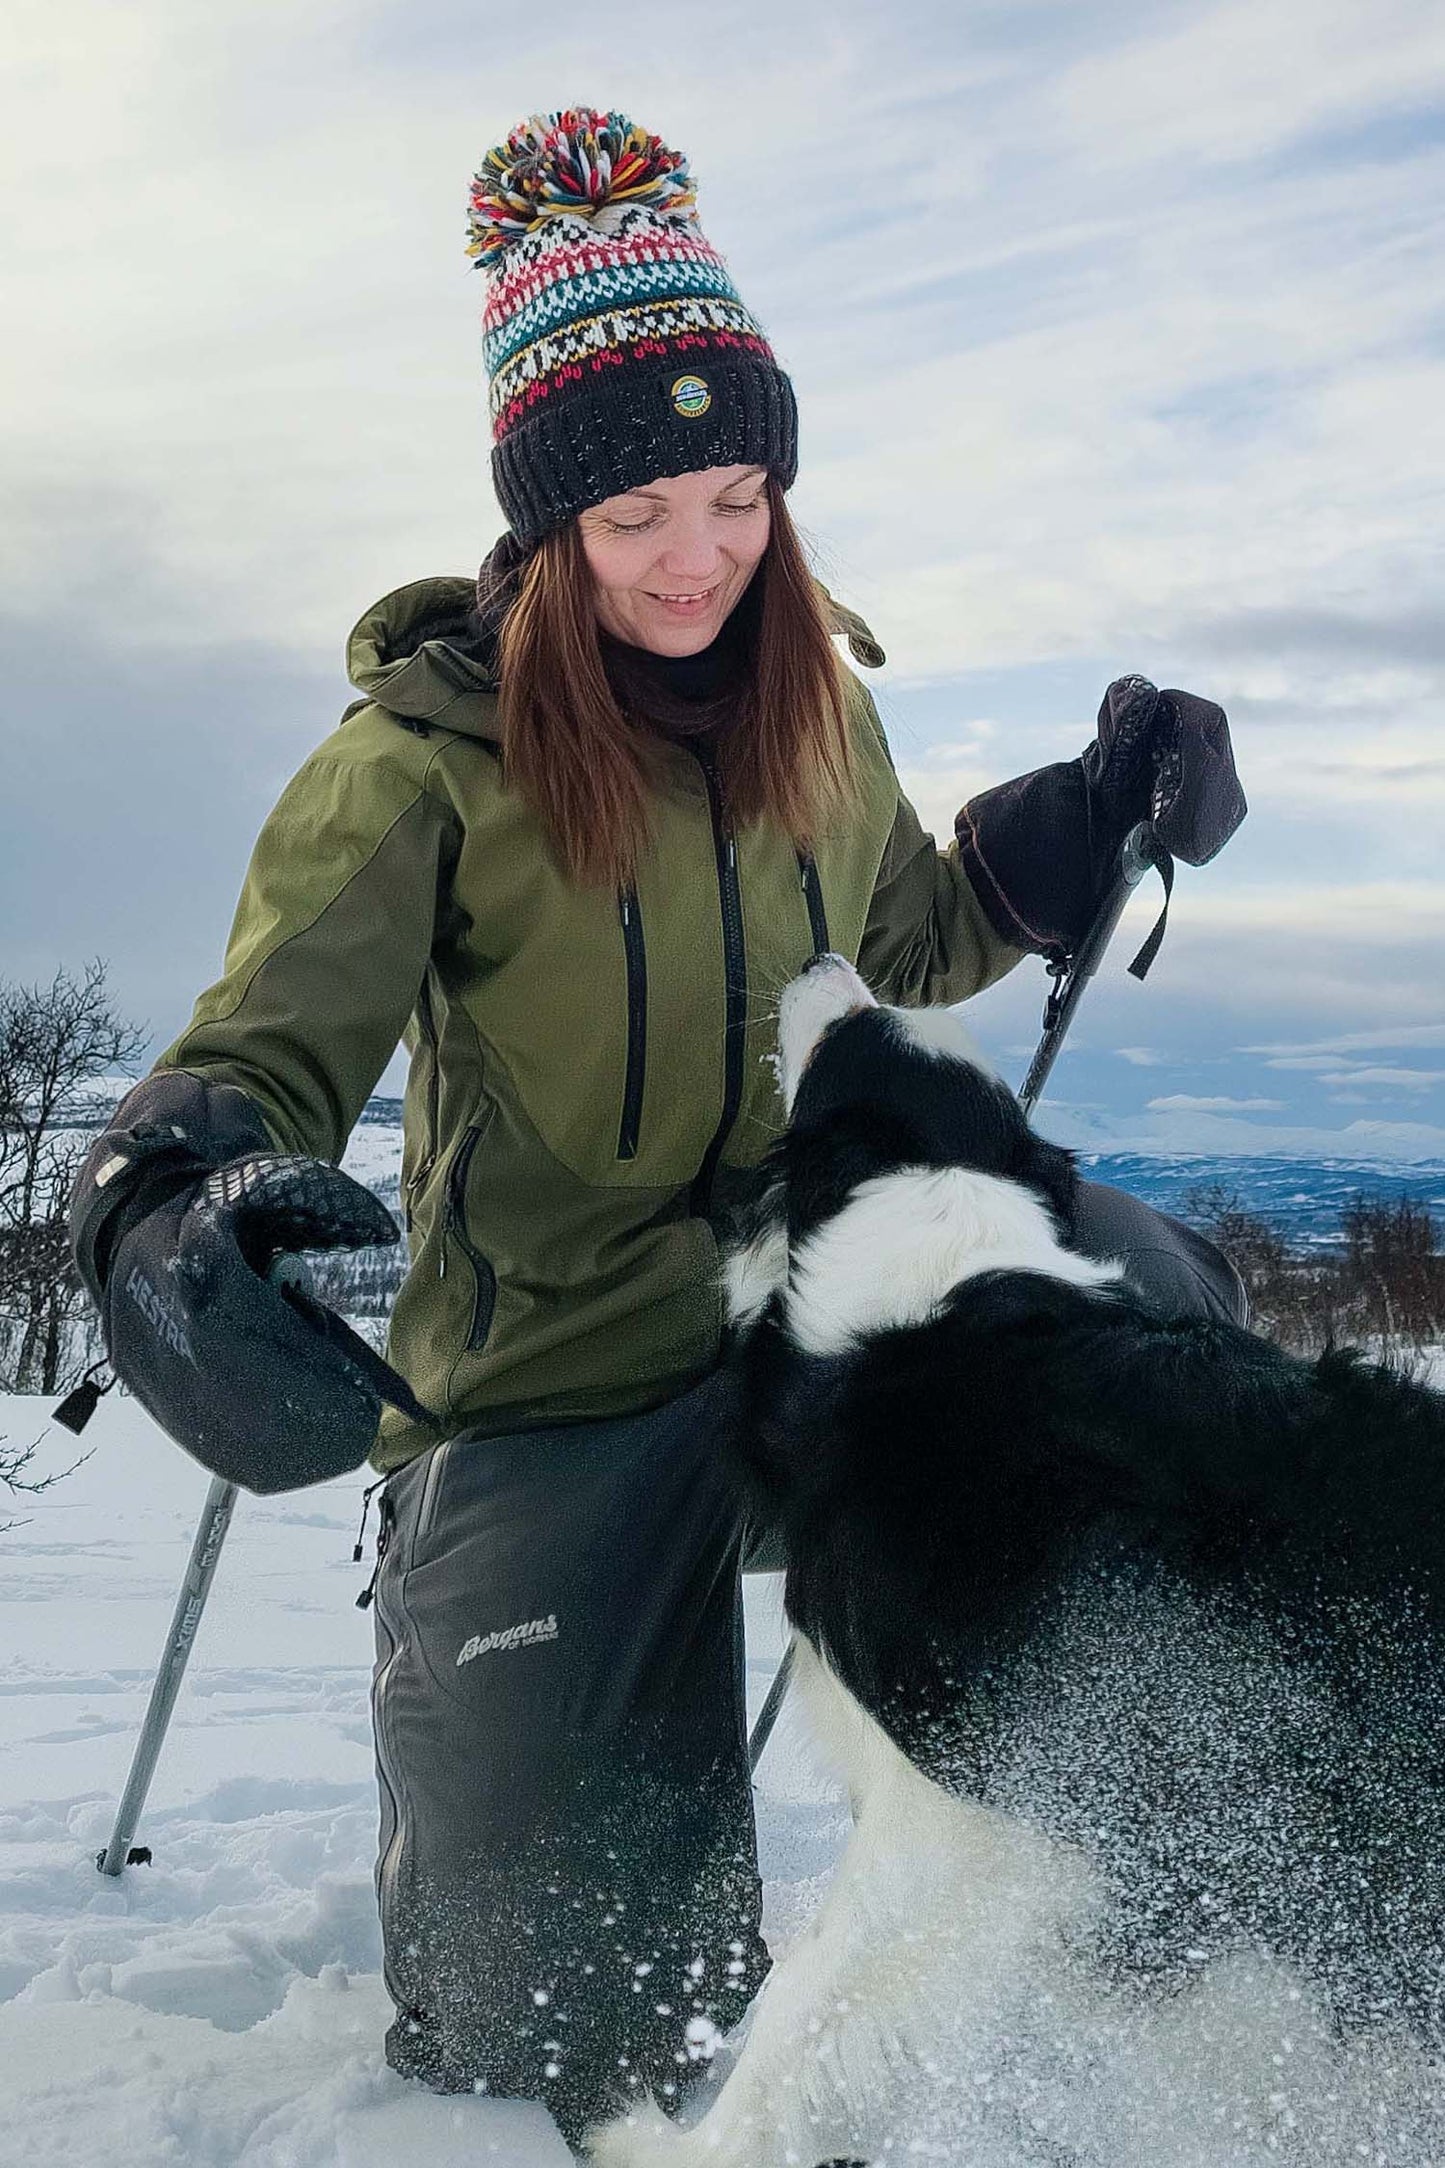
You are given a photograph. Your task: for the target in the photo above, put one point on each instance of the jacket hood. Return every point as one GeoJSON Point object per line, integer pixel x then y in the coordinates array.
{"type": "Point", "coordinates": [422, 653]}
{"type": "Point", "coordinates": [427, 654]}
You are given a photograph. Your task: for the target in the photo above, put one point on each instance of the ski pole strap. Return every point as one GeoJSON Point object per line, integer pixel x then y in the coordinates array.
{"type": "Point", "coordinates": [1140, 966]}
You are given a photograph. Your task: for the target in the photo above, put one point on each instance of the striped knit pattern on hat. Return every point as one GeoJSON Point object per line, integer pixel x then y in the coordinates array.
{"type": "Point", "coordinates": [616, 344]}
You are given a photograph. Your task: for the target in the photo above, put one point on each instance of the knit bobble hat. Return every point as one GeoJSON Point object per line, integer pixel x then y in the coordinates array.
{"type": "Point", "coordinates": [615, 343]}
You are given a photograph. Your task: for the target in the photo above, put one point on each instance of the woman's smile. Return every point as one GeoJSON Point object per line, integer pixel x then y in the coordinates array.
{"type": "Point", "coordinates": [672, 560]}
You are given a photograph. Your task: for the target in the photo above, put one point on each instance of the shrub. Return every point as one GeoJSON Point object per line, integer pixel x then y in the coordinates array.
{"type": "Point", "coordinates": [1382, 1283]}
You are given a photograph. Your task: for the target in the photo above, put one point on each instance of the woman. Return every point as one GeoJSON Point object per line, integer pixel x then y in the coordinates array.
{"type": "Point", "coordinates": [589, 816]}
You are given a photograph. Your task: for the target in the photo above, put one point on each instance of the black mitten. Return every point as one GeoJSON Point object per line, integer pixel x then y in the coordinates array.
{"type": "Point", "coordinates": [1198, 798]}
{"type": "Point", "coordinates": [1041, 851]}
{"type": "Point", "coordinates": [264, 1385]}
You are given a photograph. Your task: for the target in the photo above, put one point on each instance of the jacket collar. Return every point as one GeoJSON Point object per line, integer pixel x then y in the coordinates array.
{"type": "Point", "coordinates": [423, 653]}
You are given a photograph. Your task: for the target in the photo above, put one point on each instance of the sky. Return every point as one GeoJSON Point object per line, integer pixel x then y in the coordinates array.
{"type": "Point", "coordinates": [1117, 336]}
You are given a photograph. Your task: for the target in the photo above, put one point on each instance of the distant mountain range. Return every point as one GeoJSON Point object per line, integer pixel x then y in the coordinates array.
{"type": "Point", "coordinates": [1303, 1198]}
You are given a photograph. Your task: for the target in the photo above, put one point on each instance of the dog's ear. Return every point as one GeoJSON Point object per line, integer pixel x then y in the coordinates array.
{"type": "Point", "coordinates": [747, 1200]}
{"type": "Point", "coordinates": [1051, 1172]}
{"type": "Point", "coordinates": [763, 1443]}
{"type": "Point", "coordinates": [786, 1402]}
{"type": "Point", "coordinates": [990, 1308]}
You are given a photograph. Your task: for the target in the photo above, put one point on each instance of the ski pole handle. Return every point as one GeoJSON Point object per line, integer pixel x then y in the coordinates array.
{"type": "Point", "coordinates": [1137, 854]}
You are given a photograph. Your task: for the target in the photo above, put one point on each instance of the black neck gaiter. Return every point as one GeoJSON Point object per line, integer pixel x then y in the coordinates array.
{"type": "Point", "coordinates": [687, 697]}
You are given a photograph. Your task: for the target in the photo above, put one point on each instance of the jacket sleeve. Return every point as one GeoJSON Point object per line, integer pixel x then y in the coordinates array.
{"type": "Point", "coordinates": [927, 938]}
{"type": "Point", "coordinates": [330, 943]}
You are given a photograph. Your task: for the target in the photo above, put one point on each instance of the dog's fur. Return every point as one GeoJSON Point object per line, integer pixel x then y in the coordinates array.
{"type": "Point", "coordinates": [1125, 1631]}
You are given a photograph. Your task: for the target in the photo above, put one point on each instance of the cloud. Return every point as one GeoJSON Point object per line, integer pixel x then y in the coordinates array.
{"type": "Point", "coordinates": [1333, 1062]}
{"type": "Point", "coordinates": [1185, 1103]}
{"type": "Point", "coordinates": [1414, 1080]}
{"type": "Point", "coordinates": [1009, 533]}
{"type": "Point", "coordinates": [937, 782]}
{"type": "Point", "coordinates": [1260, 75]}
{"type": "Point", "coordinates": [1292, 1056]}
{"type": "Point", "coordinates": [133, 795]}
{"type": "Point", "coordinates": [1388, 638]}
{"type": "Point", "coordinates": [1142, 1057]}
{"type": "Point", "coordinates": [1367, 749]}
{"type": "Point", "coordinates": [1354, 913]}
{"type": "Point", "coordinates": [1163, 393]}
{"type": "Point", "coordinates": [1043, 326]}
{"type": "Point", "coordinates": [1178, 1133]}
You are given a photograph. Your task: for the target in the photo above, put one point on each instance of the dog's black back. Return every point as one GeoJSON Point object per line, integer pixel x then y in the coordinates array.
{"type": "Point", "coordinates": [1172, 1593]}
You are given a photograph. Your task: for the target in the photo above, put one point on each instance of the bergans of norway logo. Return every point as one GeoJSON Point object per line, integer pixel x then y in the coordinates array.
{"type": "Point", "coordinates": [508, 1637]}
{"type": "Point", "coordinates": [691, 396]}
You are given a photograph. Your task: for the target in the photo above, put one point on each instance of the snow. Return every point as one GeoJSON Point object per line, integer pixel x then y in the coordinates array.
{"type": "Point", "coordinates": [222, 2007]}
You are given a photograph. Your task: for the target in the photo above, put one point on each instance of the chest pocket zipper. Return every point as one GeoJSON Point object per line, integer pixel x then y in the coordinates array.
{"type": "Point", "coordinates": [813, 893]}
{"type": "Point", "coordinates": [454, 1229]}
{"type": "Point", "coordinates": [635, 952]}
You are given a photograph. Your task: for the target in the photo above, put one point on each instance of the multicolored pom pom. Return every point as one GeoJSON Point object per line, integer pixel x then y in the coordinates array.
{"type": "Point", "coordinates": [572, 164]}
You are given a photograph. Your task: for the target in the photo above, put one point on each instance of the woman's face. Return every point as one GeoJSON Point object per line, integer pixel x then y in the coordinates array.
{"type": "Point", "coordinates": [671, 560]}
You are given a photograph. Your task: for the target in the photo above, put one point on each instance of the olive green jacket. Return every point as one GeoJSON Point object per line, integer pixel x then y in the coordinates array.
{"type": "Point", "coordinates": [587, 1067]}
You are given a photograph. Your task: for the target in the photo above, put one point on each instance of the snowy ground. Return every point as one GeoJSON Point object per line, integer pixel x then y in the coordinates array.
{"type": "Point", "coordinates": [222, 2007]}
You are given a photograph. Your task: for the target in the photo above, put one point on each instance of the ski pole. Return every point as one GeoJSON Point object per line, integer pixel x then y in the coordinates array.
{"type": "Point", "coordinates": [191, 1602]}
{"type": "Point", "coordinates": [1137, 854]}
{"type": "Point", "coordinates": [768, 1714]}
{"type": "Point", "coordinates": [200, 1572]}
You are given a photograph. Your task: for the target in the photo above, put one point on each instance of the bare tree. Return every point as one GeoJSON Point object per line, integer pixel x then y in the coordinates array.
{"type": "Point", "coordinates": [1393, 1270]}
{"type": "Point", "coordinates": [57, 1043]}
{"type": "Point", "coordinates": [1382, 1282]}
{"type": "Point", "coordinates": [17, 1473]}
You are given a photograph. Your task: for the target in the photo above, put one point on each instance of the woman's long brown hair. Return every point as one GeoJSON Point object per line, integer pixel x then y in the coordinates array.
{"type": "Point", "coordinates": [585, 765]}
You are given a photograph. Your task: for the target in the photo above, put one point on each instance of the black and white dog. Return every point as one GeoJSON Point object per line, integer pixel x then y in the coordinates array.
{"type": "Point", "coordinates": [1126, 1632]}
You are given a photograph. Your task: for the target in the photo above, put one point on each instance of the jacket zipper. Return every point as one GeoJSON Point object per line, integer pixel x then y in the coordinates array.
{"type": "Point", "coordinates": [454, 1226]}
{"type": "Point", "coordinates": [389, 1864]}
{"type": "Point", "coordinates": [735, 972]}
{"type": "Point", "coordinates": [813, 893]}
{"type": "Point", "coordinates": [426, 1025]}
{"type": "Point", "coordinates": [636, 954]}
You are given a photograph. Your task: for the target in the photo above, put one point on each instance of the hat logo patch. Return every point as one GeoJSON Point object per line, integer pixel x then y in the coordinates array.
{"type": "Point", "coordinates": [691, 396]}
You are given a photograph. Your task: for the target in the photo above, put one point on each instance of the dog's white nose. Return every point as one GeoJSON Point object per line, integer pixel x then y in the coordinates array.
{"type": "Point", "coordinates": [824, 990]}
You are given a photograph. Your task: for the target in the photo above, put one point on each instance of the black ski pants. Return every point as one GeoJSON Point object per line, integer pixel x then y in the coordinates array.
{"type": "Point", "coordinates": [568, 1881]}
